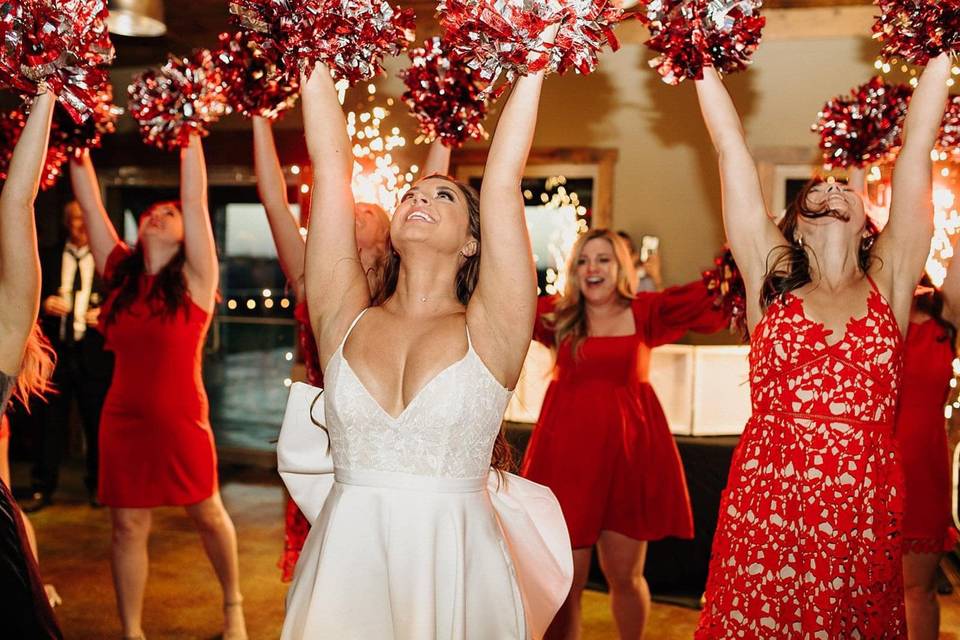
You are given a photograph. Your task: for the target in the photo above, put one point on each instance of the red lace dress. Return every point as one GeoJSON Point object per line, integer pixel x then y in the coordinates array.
{"type": "Point", "coordinates": [602, 442]}
{"type": "Point", "coordinates": [296, 526]}
{"type": "Point", "coordinates": [922, 436]}
{"type": "Point", "coordinates": [808, 540]}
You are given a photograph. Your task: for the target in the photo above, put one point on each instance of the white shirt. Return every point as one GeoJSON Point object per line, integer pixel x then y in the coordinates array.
{"type": "Point", "coordinates": [73, 258]}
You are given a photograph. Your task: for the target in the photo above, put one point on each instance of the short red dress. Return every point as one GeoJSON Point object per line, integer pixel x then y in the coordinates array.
{"type": "Point", "coordinates": [296, 526]}
{"type": "Point", "coordinates": [156, 445]}
{"type": "Point", "coordinates": [922, 436]}
{"type": "Point", "coordinates": [808, 543]}
{"type": "Point", "coordinates": [602, 443]}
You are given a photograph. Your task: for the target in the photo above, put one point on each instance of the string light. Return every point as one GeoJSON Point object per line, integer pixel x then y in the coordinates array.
{"type": "Point", "coordinates": [376, 176]}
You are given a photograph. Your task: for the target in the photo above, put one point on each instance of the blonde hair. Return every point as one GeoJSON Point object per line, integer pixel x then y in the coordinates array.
{"type": "Point", "coordinates": [36, 370]}
{"type": "Point", "coordinates": [569, 316]}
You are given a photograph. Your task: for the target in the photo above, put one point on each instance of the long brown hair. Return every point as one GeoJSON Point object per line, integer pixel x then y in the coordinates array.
{"type": "Point", "coordinates": [468, 275]}
{"type": "Point", "coordinates": [169, 288]}
{"type": "Point", "coordinates": [36, 370]}
{"type": "Point", "coordinates": [788, 266]}
{"type": "Point", "coordinates": [569, 316]}
{"type": "Point", "coordinates": [930, 302]}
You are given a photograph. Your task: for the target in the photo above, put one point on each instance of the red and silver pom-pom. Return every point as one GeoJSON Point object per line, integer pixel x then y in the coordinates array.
{"type": "Point", "coordinates": [62, 44]}
{"type": "Point", "coordinates": [74, 137]}
{"type": "Point", "coordinates": [726, 283]}
{"type": "Point", "coordinates": [586, 28]}
{"type": "Point", "coordinates": [255, 81]}
{"type": "Point", "coordinates": [445, 96]}
{"type": "Point", "coordinates": [352, 37]}
{"type": "Point", "coordinates": [918, 30]}
{"type": "Point", "coordinates": [11, 126]}
{"type": "Point", "coordinates": [499, 37]}
{"type": "Point", "coordinates": [180, 98]}
{"type": "Point", "coordinates": [864, 127]}
{"type": "Point", "coordinates": [689, 35]}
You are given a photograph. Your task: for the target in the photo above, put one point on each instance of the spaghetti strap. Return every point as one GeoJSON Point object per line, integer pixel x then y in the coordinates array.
{"type": "Point", "coordinates": [872, 283]}
{"type": "Point", "coordinates": [469, 340]}
{"type": "Point", "coordinates": [350, 329]}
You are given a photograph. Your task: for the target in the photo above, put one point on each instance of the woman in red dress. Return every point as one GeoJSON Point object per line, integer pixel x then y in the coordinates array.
{"type": "Point", "coordinates": [808, 539]}
{"type": "Point", "coordinates": [156, 444]}
{"type": "Point", "coordinates": [602, 443]}
{"type": "Point", "coordinates": [372, 230]}
{"type": "Point", "coordinates": [928, 529]}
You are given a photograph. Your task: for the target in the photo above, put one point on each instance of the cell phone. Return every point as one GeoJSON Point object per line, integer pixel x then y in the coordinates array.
{"type": "Point", "coordinates": [649, 245]}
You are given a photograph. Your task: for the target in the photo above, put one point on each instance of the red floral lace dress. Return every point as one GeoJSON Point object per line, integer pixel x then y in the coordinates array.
{"type": "Point", "coordinates": [808, 540]}
{"type": "Point", "coordinates": [296, 527]}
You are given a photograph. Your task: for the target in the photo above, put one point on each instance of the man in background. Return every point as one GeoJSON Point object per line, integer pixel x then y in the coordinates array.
{"type": "Point", "coordinates": [71, 294]}
{"type": "Point", "coordinates": [646, 259]}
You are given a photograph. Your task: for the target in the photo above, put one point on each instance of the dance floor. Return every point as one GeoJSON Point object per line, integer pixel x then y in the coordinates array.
{"type": "Point", "coordinates": [183, 600]}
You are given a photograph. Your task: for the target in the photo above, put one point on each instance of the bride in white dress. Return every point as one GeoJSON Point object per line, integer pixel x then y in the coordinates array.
{"type": "Point", "coordinates": [414, 536]}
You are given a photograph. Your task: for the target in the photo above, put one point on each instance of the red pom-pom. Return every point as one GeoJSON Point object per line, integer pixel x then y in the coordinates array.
{"type": "Point", "coordinates": [495, 37]}
{"type": "Point", "coordinates": [73, 138]}
{"type": "Point", "coordinates": [11, 126]}
{"type": "Point", "coordinates": [63, 44]}
{"type": "Point", "coordinates": [180, 98]}
{"type": "Point", "coordinates": [918, 30]}
{"type": "Point", "coordinates": [254, 80]}
{"type": "Point", "coordinates": [689, 35]}
{"type": "Point", "coordinates": [949, 139]}
{"type": "Point", "coordinates": [725, 282]}
{"type": "Point", "coordinates": [864, 127]}
{"type": "Point", "coordinates": [444, 95]}
{"type": "Point", "coordinates": [351, 37]}
{"type": "Point", "coordinates": [587, 26]}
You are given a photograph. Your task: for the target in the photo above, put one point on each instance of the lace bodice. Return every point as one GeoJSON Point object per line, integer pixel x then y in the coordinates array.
{"type": "Point", "coordinates": [446, 430]}
{"type": "Point", "coordinates": [795, 370]}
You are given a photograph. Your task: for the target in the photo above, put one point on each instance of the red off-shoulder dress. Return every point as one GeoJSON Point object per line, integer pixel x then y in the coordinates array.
{"type": "Point", "coordinates": [156, 445]}
{"type": "Point", "coordinates": [922, 437]}
{"type": "Point", "coordinates": [602, 443]}
{"type": "Point", "coordinates": [296, 526]}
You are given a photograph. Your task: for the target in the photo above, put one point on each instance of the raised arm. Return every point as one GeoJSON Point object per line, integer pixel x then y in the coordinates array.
{"type": "Point", "coordinates": [201, 268]}
{"type": "Point", "coordinates": [905, 242]}
{"type": "Point", "coordinates": [335, 283]}
{"type": "Point", "coordinates": [273, 194]}
{"type": "Point", "coordinates": [19, 263]}
{"type": "Point", "coordinates": [86, 189]}
{"type": "Point", "coordinates": [751, 233]}
{"type": "Point", "coordinates": [438, 159]}
{"type": "Point", "coordinates": [501, 312]}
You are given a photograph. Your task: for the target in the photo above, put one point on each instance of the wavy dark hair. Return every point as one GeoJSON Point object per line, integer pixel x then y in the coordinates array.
{"type": "Point", "coordinates": [168, 295]}
{"type": "Point", "coordinates": [931, 303]}
{"type": "Point", "coordinates": [788, 266]}
{"type": "Point", "coordinates": [503, 458]}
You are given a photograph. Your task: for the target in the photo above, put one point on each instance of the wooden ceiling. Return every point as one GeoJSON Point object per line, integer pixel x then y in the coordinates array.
{"type": "Point", "coordinates": [196, 23]}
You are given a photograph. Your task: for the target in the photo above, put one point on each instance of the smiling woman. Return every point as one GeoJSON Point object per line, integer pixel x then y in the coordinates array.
{"type": "Point", "coordinates": [156, 444]}
{"type": "Point", "coordinates": [602, 442]}
{"type": "Point", "coordinates": [416, 388]}
{"type": "Point", "coordinates": [827, 323]}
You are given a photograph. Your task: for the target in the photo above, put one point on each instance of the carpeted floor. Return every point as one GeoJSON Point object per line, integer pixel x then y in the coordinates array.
{"type": "Point", "coordinates": [183, 599]}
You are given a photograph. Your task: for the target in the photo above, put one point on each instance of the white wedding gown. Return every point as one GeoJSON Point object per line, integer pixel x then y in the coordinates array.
{"type": "Point", "coordinates": [413, 536]}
